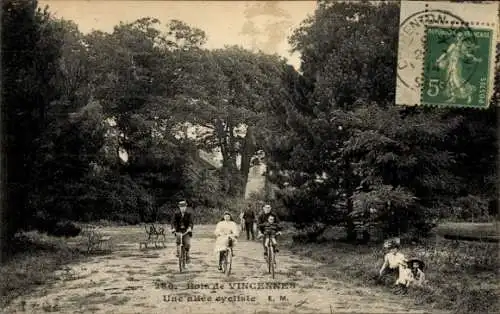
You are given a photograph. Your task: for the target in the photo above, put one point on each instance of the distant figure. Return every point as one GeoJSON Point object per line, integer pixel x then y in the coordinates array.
{"type": "Point", "coordinates": [242, 220]}
{"type": "Point", "coordinates": [249, 219]}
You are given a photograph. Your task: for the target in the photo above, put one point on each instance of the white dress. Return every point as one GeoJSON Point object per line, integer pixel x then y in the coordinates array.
{"type": "Point", "coordinates": [405, 276]}
{"type": "Point", "coordinates": [222, 230]}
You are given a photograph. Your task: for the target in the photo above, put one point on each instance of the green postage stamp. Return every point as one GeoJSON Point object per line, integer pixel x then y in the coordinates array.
{"type": "Point", "coordinates": [446, 54]}
{"type": "Point", "coordinates": [456, 67]}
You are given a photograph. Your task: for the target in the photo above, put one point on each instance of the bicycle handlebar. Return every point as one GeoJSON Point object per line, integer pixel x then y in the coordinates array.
{"type": "Point", "coordinates": [269, 235]}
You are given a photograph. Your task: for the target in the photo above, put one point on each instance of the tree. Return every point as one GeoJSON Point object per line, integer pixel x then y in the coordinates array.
{"type": "Point", "coordinates": [134, 72]}
{"type": "Point", "coordinates": [338, 31]}
{"type": "Point", "coordinates": [227, 92]}
{"type": "Point", "coordinates": [30, 53]}
{"type": "Point", "coordinates": [353, 155]}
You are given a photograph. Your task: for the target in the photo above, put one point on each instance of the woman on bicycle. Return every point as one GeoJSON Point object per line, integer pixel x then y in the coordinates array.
{"type": "Point", "coordinates": [226, 232]}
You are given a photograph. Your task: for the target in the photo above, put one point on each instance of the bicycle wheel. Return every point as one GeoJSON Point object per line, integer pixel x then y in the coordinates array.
{"type": "Point", "coordinates": [271, 260]}
{"type": "Point", "coordinates": [227, 262]}
{"type": "Point", "coordinates": [268, 259]}
{"type": "Point", "coordinates": [181, 258]}
{"type": "Point", "coordinates": [223, 262]}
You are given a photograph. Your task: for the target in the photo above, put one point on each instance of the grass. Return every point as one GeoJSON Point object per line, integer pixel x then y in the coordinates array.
{"type": "Point", "coordinates": [484, 231]}
{"type": "Point", "coordinates": [32, 260]}
{"type": "Point", "coordinates": [462, 275]}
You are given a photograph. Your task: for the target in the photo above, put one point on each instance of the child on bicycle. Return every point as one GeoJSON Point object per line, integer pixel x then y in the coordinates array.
{"type": "Point", "coordinates": [270, 229]}
{"type": "Point", "coordinates": [226, 232]}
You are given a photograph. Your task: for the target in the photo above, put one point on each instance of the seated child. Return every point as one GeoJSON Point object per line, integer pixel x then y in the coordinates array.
{"type": "Point", "coordinates": [405, 277]}
{"type": "Point", "coordinates": [271, 229]}
{"type": "Point", "coordinates": [410, 273]}
{"type": "Point", "coordinates": [416, 267]}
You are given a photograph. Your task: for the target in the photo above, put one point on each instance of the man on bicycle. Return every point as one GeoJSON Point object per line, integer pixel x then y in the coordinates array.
{"type": "Point", "coordinates": [182, 222]}
{"type": "Point", "coordinates": [262, 219]}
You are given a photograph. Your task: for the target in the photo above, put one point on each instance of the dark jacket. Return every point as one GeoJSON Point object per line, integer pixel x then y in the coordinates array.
{"type": "Point", "coordinates": [249, 215]}
{"type": "Point", "coordinates": [263, 219]}
{"type": "Point", "coordinates": [270, 229]}
{"type": "Point", "coordinates": [180, 223]}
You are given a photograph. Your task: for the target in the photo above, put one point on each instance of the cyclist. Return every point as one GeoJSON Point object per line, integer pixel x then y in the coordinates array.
{"type": "Point", "coordinates": [182, 222]}
{"type": "Point", "coordinates": [262, 219]}
{"type": "Point", "coordinates": [270, 229]}
{"type": "Point", "coordinates": [226, 232]}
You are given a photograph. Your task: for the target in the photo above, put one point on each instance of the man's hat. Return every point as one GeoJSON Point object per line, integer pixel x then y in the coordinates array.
{"type": "Point", "coordinates": [182, 203]}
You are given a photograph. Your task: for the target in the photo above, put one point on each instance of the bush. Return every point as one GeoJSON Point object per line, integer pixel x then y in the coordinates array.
{"type": "Point", "coordinates": [54, 227]}
{"type": "Point", "coordinates": [32, 259]}
{"type": "Point", "coordinates": [66, 229]}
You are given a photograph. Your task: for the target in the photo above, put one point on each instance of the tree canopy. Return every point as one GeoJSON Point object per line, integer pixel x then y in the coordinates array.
{"type": "Point", "coordinates": [96, 124]}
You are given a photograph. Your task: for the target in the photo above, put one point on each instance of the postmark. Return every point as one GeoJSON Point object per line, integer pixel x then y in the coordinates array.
{"type": "Point", "coordinates": [413, 38]}
{"type": "Point", "coordinates": [427, 30]}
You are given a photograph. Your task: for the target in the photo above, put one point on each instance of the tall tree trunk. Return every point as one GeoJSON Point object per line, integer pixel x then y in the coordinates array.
{"type": "Point", "coordinates": [246, 156]}
{"type": "Point", "coordinates": [229, 170]}
{"type": "Point", "coordinates": [351, 233]}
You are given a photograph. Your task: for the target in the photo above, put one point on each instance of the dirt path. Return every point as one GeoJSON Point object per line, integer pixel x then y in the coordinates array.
{"type": "Point", "coordinates": [134, 281]}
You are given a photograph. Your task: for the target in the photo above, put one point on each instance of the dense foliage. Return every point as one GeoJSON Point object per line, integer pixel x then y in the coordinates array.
{"type": "Point", "coordinates": [95, 125]}
{"type": "Point", "coordinates": [356, 159]}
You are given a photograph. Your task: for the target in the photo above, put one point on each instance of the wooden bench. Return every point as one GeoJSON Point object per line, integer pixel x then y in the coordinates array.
{"type": "Point", "coordinates": [154, 235]}
{"type": "Point", "coordinates": [95, 239]}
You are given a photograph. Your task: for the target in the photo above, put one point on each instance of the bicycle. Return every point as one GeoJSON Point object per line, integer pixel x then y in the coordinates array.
{"type": "Point", "coordinates": [227, 258]}
{"type": "Point", "coordinates": [182, 252]}
{"type": "Point", "coordinates": [271, 254]}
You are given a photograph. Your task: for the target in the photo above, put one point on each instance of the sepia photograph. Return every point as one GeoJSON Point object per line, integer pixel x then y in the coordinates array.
{"type": "Point", "coordinates": [249, 157]}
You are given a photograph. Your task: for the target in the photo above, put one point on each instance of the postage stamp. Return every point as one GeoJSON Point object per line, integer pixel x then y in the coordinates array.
{"type": "Point", "coordinates": [446, 53]}
{"type": "Point", "coordinates": [456, 67]}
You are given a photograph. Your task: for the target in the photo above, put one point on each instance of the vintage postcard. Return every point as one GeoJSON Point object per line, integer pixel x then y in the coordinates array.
{"type": "Point", "coordinates": [247, 157]}
{"type": "Point", "coordinates": [447, 53]}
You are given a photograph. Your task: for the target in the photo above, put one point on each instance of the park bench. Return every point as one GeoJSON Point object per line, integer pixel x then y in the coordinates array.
{"type": "Point", "coordinates": [155, 234]}
{"type": "Point", "coordinates": [95, 239]}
